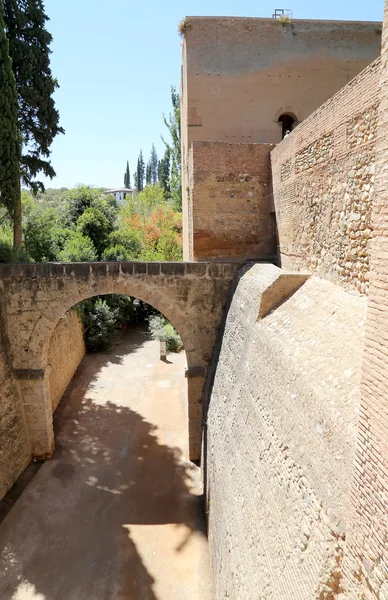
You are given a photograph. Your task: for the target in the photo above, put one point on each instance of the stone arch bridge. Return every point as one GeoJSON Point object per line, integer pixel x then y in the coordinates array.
{"type": "Point", "coordinates": [33, 297]}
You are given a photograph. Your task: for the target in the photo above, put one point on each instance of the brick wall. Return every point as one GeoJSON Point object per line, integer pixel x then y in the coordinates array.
{"type": "Point", "coordinates": [229, 208]}
{"type": "Point", "coordinates": [66, 350]}
{"type": "Point", "coordinates": [281, 435]}
{"type": "Point", "coordinates": [366, 554]}
{"type": "Point", "coordinates": [323, 183]}
{"type": "Point", "coordinates": [15, 453]}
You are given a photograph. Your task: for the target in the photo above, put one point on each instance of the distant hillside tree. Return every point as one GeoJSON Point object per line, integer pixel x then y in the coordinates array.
{"type": "Point", "coordinates": [9, 139]}
{"type": "Point", "coordinates": [173, 124]}
{"type": "Point", "coordinates": [153, 165]}
{"type": "Point", "coordinates": [148, 174]}
{"type": "Point", "coordinates": [38, 119]}
{"type": "Point", "coordinates": [140, 173]}
{"type": "Point", "coordinates": [127, 177]}
{"type": "Point", "coordinates": [164, 172]}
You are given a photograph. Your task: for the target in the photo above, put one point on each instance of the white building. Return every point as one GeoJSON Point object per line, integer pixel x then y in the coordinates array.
{"type": "Point", "coordinates": [119, 193]}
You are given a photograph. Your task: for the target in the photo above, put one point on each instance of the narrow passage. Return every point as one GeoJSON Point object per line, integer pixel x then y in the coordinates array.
{"type": "Point", "coordinates": [116, 514]}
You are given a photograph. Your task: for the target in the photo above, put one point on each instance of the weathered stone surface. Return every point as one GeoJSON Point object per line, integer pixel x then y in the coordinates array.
{"type": "Point", "coordinates": [282, 426]}
{"type": "Point", "coordinates": [191, 298]}
{"type": "Point", "coordinates": [15, 452]}
{"type": "Point", "coordinates": [323, 191]}
{"type": "Point", "coordinates": [65, 352]}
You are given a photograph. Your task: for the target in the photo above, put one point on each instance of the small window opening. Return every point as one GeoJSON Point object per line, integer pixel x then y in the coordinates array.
{"type": "Point", "coordinates": [288, 123]}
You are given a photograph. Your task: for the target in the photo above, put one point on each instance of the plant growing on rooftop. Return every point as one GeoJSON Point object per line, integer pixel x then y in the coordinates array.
{"type": "Point", "coordinates": [183, 26]}
{"type": "Point", "coordinates": [284, 20]}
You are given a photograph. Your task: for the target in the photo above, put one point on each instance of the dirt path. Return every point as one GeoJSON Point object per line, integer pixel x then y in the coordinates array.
{"type": "Point", "coordinates": [117, 513]}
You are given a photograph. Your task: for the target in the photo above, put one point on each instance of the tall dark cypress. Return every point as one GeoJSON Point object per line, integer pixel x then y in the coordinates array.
{"type": "Point", "coordinates": [153, 166]}
{"type": "Point", "coordinates": [9, 139]}
{"type": "Point", "coordinates": [140, 173]}
{"type": "Point", "coordinates": [164, 172]}
{"type": "Point", "coordinates": [38, 119]}
{"type": "Point", "coordinates": [127, 177]}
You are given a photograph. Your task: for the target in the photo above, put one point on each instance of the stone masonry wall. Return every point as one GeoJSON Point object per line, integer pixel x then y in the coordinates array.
{"type": "Point", "coordinates": [366, 552]}
{"type": "Point", "coordinates": [281, 436]}
{"type": "Point", "coordinates": [15, 453]}
{"type": "Point", "coordinates": [230, 202]}
{"type": "Point", "coordinates": [323, 183]}
{"type": "Point", "coordinates": [66, 350]}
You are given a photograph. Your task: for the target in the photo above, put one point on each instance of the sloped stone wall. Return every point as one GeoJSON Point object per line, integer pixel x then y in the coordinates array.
{"type": "Point", "coordinates": [282, 424]}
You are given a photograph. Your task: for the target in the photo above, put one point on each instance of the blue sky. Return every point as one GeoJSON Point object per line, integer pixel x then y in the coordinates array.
{"type": "Point", "coordinates": [115, 62]}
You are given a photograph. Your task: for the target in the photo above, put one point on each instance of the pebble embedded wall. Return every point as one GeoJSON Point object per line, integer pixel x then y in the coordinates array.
{"type": "Point", "coordinates": [230, 201]}
{"type": "Point", "coordinates": [65, 352]}
{"type": "Point", "coordinates": [281, 435]}
{"type": "Point", "coordinates": [15, 453]}
{"type": "Point", "coordinates": [323, 184]}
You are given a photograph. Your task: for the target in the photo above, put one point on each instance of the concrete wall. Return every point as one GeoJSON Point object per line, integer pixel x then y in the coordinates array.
{"type": "Point", "coordinates": [240, 74]}
{"type": "Point", "coordinates": [15, 453]}
{"type": "Point", "coordinates": [323, 184]}
{"type": "Point", "coordinates": [65, 352]}
{"type": "Point", "coordinates": [366, 554]}
{"type": "Point", "coordinates": [282, 426]}
{"type": "Point", "coordinates": [230, 202]}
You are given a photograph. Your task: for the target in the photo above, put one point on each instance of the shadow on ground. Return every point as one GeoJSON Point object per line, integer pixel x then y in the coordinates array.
{"type": "Point", "coordinates": [68, 535]}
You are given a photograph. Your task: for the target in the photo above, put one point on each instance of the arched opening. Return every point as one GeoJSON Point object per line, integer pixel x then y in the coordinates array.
{"type": "Point", "coordinates": [288, 122]}
{"type": "Point", "coordinates": [119, 492]}
{"type": "Point", "coordinates": [108, 331]}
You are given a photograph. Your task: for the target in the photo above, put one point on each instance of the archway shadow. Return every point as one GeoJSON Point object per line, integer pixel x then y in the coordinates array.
{"type": "Point", "coordinates": [69, 535]}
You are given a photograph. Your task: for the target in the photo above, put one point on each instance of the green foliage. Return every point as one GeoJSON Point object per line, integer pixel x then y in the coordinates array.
{"type": "Point", "coordinates": [161, 329]}
{"type": "Point", "coordinates": [42, 234]}
{"type": "Point", "coordinates": [78, 248]}
{"type": "Point", "coordinates": [94, 225]}
{"type": "Point", "coordinates": [38, 119]}
{"type": "Point", "coordinates": [140, 173]}
{"type": "Point", "coordinates": [117, 252]}
{"type": "Point", "coordinates": [9, 139]}
{"type": "Point", "coordinates": [164, 172]}
{"type": "Point", "coordinates": [127, 177]}
{"type": "Point", "coordinates": [78, 200]}
{"type": "Point", "coordinates": [99, 321]}
{"type": "Point", "coordinates": [173, 124]}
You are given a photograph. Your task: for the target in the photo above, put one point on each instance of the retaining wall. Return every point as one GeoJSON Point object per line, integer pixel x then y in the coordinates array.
{"type": "Point", "coordinates": [282, 424]}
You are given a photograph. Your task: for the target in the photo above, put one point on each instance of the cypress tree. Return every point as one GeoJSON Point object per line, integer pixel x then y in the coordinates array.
{"type": "Point", "coordinates": [153, 166]}
{"type": "Point", "coordinates": [9, 139]}
{"type": "Point", "coordinates": [164, 172]}
{"type": "Point", "coordinates": [173, 124]}
{"type": "Point", "coordinates": [148, 173]}
{"type": "Point", "coordinates": [127, 177]}
{"type": "Point", "coordinates": [38, 119]}
{"type": "Point", "coordinates": [140, 173]}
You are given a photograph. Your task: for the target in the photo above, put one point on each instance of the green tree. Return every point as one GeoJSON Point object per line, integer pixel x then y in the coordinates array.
{"type": "Point", "coordinates": [164, 172]}
{"type": "Point", "coordinates": [38, 119]}
{"type": "Point", "coordinates": [99, 321]}
{"type": "Point", "coordinates": [173, 124]}
{"type": "Point", "coordinates": [78, 248]}
{"type": "Point", "coordinates": [95, 225]}
{"type": "Point", "coordinates": [140, 173]}
{"type": "Point", "coordinates": [43, 237]}
{"type": "Point", "coordinates": [148, 174]}
{"type": "Point", "coordinates": [9, 139]}
{"type": "Point", "coordinates": [153, 166]}
{"type": "Point", "coordinates": [127, 177]}
{"type": "Point", "coordinates": [78, 200]}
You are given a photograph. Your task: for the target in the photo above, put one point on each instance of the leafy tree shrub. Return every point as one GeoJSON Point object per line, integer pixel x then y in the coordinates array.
{"type": "Point", "coordinates": [99, 321]}
{"type": "Point", "coordinates": [78, 248]}
{"type": "Point", "coordinates": [94, 225]}
{"type": "Point", "coordinates": [9, 254]}
{"type": "Point", "coordinates": [161, 329]}
{"type": "Point", "coordinates": [41, 236]}
{"type": "Point", "coordinates": [117, 252]}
